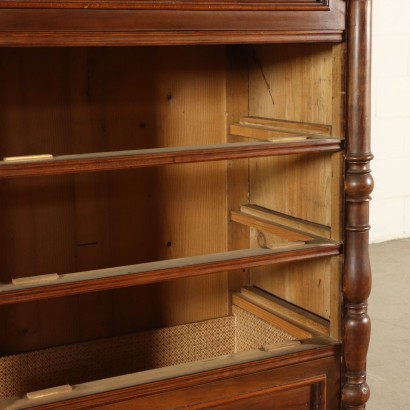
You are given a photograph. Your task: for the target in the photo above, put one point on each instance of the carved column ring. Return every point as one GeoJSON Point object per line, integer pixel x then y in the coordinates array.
{"type": "Point", "coordinates": [354, 395]}
{"type": "Point", "coordinates": [358, 185]}
{"type": "Point", "coordinates": [359, 158]}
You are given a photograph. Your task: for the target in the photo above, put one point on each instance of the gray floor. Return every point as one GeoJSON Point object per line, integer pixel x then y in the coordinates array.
{"type": "Point", "coordinates": [389, 308]}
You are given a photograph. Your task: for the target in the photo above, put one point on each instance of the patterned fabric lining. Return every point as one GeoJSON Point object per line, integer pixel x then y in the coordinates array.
{"type": "Point", "coordinates": [78, 363]}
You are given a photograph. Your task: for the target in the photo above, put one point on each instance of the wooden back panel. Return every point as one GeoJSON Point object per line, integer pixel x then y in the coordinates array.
{"type": "Point", "coordinates": [85, 100]}
{"type": "Point", "coordinates": [300, 83]}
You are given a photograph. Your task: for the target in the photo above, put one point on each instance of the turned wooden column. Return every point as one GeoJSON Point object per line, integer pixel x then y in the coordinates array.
{"type": "Point", "coordinates": [358, 186]}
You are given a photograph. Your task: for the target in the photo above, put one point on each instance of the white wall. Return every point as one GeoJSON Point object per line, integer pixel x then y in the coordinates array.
{"type": "Point", "coordinates": [390, 208]}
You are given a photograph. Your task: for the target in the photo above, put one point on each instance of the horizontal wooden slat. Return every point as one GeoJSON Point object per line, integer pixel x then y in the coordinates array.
{"type": "Point", "coordinates": [293, 126]}
{"type": "Point", "coordinates": [286, 310]}
{"type": "Point", "coordinates": [249, 306]}
{"type": "Point", "coordinates": [116, 160]}
{"type": "Point", "coordinates": [264, 133]}
{"type": "Point", "coordinates": [310, 228]}
{"type": "Point", "coordinates": [131, 275]}
{"type": "Point", "coordinates": [270, 227]}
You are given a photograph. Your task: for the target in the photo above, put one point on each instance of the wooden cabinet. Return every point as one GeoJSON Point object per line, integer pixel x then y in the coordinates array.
{"type": "Point", "coordinates": [184, 212]}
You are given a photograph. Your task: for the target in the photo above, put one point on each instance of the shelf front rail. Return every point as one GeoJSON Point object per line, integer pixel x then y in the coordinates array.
{"type": "Point", "coordinates": [54, 285]}
{"type": "Point", "coordinates": [116, 160]}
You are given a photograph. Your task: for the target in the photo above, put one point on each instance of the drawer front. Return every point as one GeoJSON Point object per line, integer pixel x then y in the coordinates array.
{"type": "Point", "coordinates": [313, 385]}
{"type": "Point", "coordinates": [309, 396]}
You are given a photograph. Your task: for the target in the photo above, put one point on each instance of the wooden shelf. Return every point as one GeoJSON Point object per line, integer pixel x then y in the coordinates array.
{"type": "Point", "coordinates": [116, 160]}
{"type": "Point", "coordinates": [131, 275]}
{"type": "Point", "coordinates": [131, 385]}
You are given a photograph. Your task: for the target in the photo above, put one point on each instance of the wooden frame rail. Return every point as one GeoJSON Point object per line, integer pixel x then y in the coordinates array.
{"type": "Point", "coordinates": [110, 278]}
{"type": "Point", "coordinates": [116, 160]}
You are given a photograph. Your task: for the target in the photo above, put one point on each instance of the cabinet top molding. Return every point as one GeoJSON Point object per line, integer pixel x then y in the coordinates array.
{"type": "Point", "coordinates": [288, 5]}
{"type": "Point", "coordinates": [168, 22]}
{"type": "Point", "coordinates": [285, 5]}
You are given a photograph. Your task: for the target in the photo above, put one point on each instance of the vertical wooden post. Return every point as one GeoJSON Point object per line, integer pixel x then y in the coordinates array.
{"type": "Point", "coordinates": [358, 186]}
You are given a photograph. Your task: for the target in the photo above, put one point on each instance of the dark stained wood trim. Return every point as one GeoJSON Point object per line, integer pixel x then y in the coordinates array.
{"type": "Point", "coordinates": [274, 5]}
{"type": "Point", "coordinates": [159, 157]}
{"type": "Point", "coordinates": [166, 270]}
{"type": "Point", "coordinates": [314, 356]}
{"type": "Point", "coordinates": [30, 27]}
{"type": "Point", "coordinates": [45, 39]}
{"type": "Point", "coordinates": [358, 186]}
{"type": "Point", "coordinates": [60, 20]}
{"type": "Point", "coordinates": [170, 5]}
